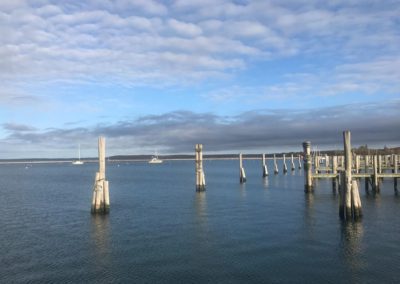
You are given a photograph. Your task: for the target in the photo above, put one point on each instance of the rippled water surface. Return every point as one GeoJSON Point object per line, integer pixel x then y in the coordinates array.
{"type": "Point", "coordinates": [161, 230]}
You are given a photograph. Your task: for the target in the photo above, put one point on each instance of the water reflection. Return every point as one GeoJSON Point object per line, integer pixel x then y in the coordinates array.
{"type": "Point", "coordinates": [351, 245]}
{"type": "Point", "coordinates": [100, 235]}
{"type": "Point", "coordinates": [243, 190]}
{"type": "Point", "coordinates": [265, 183]}
{"type": "Point", "coordinates": [201, 206]}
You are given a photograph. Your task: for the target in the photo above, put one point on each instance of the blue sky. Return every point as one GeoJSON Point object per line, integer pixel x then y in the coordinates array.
{"type": "Point", "coordinates": [251, 76]}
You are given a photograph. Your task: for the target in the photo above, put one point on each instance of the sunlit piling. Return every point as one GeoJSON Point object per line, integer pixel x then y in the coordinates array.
{"type": "Point", "coordinates": [299, 162]}
{"type": "Point", "coordinates": [308, 182]}
{"type": "Point", "coordinates": [200, 177]}
{"type": "Point", "coordinates": [264, 166]}
{"type": "Point", "coordinates": [276, 171]}
{"type": "Point", "coordinates": [292, 163]}
{"type": "Point", "coordinates": [101, 197]}
{"type": "Point", "coordinates": [350, 202]}
{"type": "Point", "coordinates": [284, 164]}
{"type": "Point", "coordinates": [241, 170]}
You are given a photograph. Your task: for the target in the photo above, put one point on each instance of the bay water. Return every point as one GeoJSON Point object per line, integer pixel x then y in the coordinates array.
{"type": "Point", "coordinates": [160, 230]}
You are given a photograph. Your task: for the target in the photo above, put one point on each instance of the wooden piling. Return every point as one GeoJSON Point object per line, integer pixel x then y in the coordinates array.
{"type": "Point", "coordinates": [101, 197]}
{"type": "Point", "coordinates": [316, 163]}
{"type": "Point", "coordinates": [327, 164]}
{"type": "Point", "coordinates": [200, 177]}
{"type": "Point", "coordinates": [292, 163]}
{"type": "Point", "coordinates": [366, 170]}
{"type": "Point", "coordinates": [284, 164]}
{"type": "Point", "coordinates": [308, 182]}
{"type": "Point", "coordinates": [334, 171]}
{"type": "Point", "coordinates": [352, 202]}
{"type": "Point", "coordinates": [276, 171]}
{"type": "Point", "coordinates": [395, 171]}
{"type": "Point", "coordinates": [241, 170]}
{"type": "Point", "coordinates": [375, 179]}
{"type": "Point", "coordinates": [299, 162]}
{"type": "Point", "coordinates": [264, 166]}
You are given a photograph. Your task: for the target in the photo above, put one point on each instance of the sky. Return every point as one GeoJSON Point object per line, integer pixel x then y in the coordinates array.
{"type": "Point", "coordinates": [247, 76]}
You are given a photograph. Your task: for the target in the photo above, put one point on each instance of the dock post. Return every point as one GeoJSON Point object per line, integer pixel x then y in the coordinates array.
{"type": "Point", "coordinates": [299, 162]}
{"type": "Point", "coordinates": [375, 179]}
{"type": "Point", "coordinates": [351, 195]}
{"type": "Point", "coordinates": [395, 171]}
{"type": "Point", "coordinates": [200, 177]}
{"type": "Point", "coordinates": [357, 164]}
{"type": "Point", "coordinates": [241, 170]}
{"type": "Point", "coordinates": [316, 163]}
{"type": "Point", "coordinates": [101, 197]}
{"type": "Point", "coordinates": [308, 182]}
{"type": "Point", "coordinates": [334, 171]}
{"type": "Point", "coordinates": [327, 164]}
{"type": "Point", "coordinates": [264, 166]}
{"type": "Point", "coordinates": [276, 171]}
{"type": "Point", "coordinates": [366, 170]}
{"type": "Point", "coordinates": [292, 163]}
{"type": "Point", "coordinates": [284, 164]}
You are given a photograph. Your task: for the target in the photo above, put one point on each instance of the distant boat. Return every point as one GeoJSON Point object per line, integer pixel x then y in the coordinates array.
{"type": "Point", "coordinates": [155, 160]}
{"type": "Point", "coordinates": [78, 162]}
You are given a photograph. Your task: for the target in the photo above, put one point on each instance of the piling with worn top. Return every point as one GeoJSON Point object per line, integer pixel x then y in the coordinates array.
{"type": "Point", "coordinates": [241, 170]}
{"type": "Point", "coordinates": [101, 196]}
{"type": "Point", "coordinates": [308, 186]}
{"type": "Point", "coordinates": [264, 166]}
{"type": "Point", "coordinates": [276, 171]}
{"type": "Point", "coordinates": [200, 177]}
{"type": "Point", "coordinates": [284, 164]}
{"type": "Point", "coordinates": [349, 191]}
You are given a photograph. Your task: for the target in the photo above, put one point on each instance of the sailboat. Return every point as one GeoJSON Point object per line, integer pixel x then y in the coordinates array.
{"type": "Point", "coordinates": [78, 162]}
{"type": "Point", "coordinates": [155, 160]}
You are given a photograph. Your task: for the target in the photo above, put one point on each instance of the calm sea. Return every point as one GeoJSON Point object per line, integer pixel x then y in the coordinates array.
{"type": "Point", "coordinates": [160, 230]}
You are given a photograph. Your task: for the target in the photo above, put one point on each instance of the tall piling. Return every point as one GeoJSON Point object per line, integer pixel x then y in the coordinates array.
{"type": "Point", "coordinates": [352, 202]}
{"type": "Point", "coordinates": [242, 173]}
{"type": "Point", "coordinates": [334, 171]}
{"type": "Point", "coordinates": [200, 177]}
{"type": "Point", "coordinates": [284, 164]}
{"type": "Point", "coordinates": [264, 166]}
{"type": "Point", "coordinates": [292, 163]}
{"type": "Point", "coordinates": [395, 166]}
{"type": "Point", "coordinates": [276, 171]}
{"type": "Point", "coordinates": [101, 197]}
{"type": "Point", "coordinates": [375, 179]}
{"type": "Point", "coordinates": [308, 182]}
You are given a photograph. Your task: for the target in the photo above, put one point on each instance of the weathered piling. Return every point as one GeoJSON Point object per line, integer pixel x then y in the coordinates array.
{"type": "Point", "coordinates": [284, 164]}
{"type": "Point", "coordinates": [276, 171]}
{"type": "Point", "coordinates": [200, 177]}
{"type": "Point", "coordinates": [299, 162]}
{"type": "Point", "coordinates": [357, 164]}
{"type": "Point", "coordinates": [334, 171]}
{"type": "Point", "coordinates": [366, 170]}
{"type": "Point", "coordinates": [349, 191]}
{"type": "Point", "coordinates": [292, 163]}
{"type": "Point", "coordinates": [375, 179]}
{"type": "Point", "coordinates": [308, 182]}
{"type": "Point", "coordinates": [241, 170]}
{"type": "Point", "coordinates": [264, 166]}
{"type": "Point", "coordinates": [327, 164]}
{"type": "Point", "coordinates": [101, 197]}
{"type": "Point", "coordinates": [395, 172]}
{"type": "Point", "coordinates": [316, 163]}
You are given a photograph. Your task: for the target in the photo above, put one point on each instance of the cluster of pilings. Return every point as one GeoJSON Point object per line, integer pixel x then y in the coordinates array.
{"type": "Point", "coordinates": [101, 197]}
{"type": "Point", "coordinates": [346, 172]}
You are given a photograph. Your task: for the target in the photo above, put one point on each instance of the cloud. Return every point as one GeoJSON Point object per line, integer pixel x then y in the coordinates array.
{"type": "Point", "coordinates": [17, 127]}
{"type": "Point", "coordinates": [252, 131]}
{"type": "Point", "coordinates": [109, 39]}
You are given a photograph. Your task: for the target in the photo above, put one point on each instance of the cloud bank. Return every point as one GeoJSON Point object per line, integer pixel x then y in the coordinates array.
{"type": "Point", "coordinates": [254, 131]}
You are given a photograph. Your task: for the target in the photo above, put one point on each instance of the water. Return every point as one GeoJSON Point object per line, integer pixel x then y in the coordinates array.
{"type": "Point", "coordinates": [160, 230]}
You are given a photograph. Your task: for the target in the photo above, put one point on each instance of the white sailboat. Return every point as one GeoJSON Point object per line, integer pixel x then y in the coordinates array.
{"type": "Point", "coordinates": [155, 160]}
{"type": "Point", "coordinates": [78, 162]}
